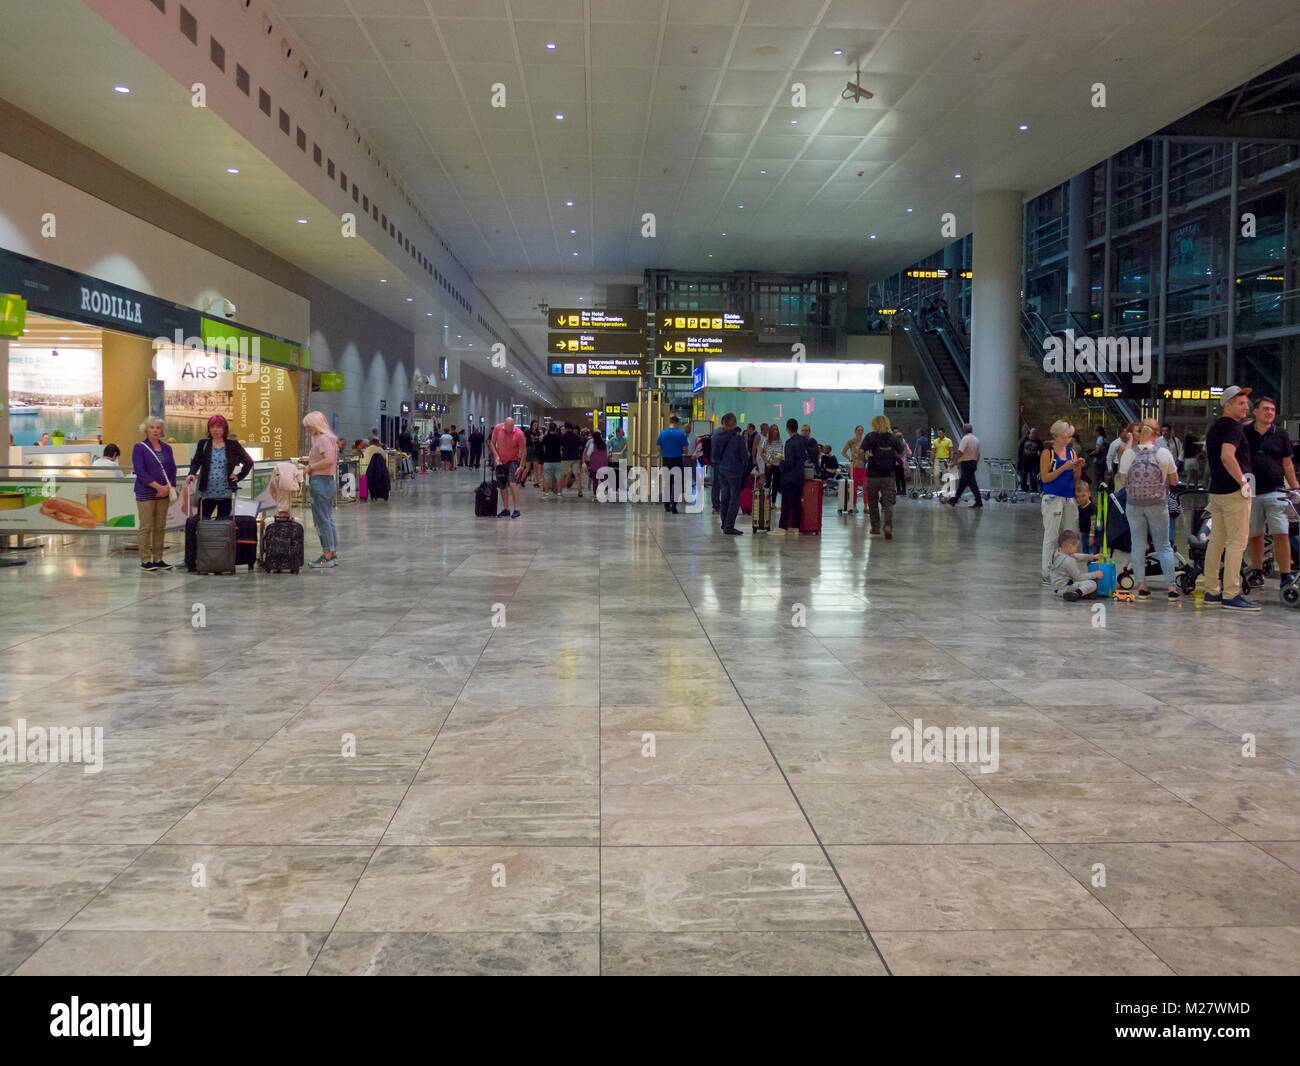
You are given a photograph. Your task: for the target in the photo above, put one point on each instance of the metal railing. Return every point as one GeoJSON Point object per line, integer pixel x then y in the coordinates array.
{"type": "Point", "coordinates": [1036, 331]}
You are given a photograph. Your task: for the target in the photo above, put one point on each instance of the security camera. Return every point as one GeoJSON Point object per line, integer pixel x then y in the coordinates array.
{"type": "Point", "coordinates": [854, 90]}
{"type": "Point", "coordinates": [221, 306]}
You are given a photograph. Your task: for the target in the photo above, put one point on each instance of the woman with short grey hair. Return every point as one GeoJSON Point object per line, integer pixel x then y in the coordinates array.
{"type": "Point", "coordinates": [155, 484]}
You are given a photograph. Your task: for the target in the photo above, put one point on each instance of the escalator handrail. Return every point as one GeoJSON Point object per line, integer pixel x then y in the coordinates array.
{"type": "Point", "coordinates": [1028, 319]}
{"type": "Point", "coordinates": [913, 328]}
{"type": "Point", "coordinates": [958, 352]}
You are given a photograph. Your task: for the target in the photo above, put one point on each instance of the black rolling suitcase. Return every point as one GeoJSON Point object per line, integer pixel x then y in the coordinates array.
{"type": "Point", "coordinates": [245, 542]}
{"type": "Point", "coordinates": [485, 500]}
{"type": "Point", "coordinates": [283, 548]}
{"type": "Point", "coordinates": [214, 545]}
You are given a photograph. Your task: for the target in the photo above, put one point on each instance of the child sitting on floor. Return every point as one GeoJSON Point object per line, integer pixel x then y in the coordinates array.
{"type": "Point", "coordinates": [1071, 580]}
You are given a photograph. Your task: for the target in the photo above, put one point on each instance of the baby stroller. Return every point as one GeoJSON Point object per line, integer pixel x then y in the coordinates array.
{"type": "Point", "coordinates": [1186, 570]}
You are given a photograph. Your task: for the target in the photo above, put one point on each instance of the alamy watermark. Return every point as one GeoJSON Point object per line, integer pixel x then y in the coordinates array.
{"type": "Point", "coordinates": [41, 744]}
{"type": "Point", "coordinates": [1109, 355]}
{"type": "Point", "coordinates": [932, 743]}
{"type": "Point", "coordinates": [661, 484]}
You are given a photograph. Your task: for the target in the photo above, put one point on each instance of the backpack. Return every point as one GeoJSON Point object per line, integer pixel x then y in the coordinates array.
{"type": "Point", "coordinates": [599, 458]}
{"type": "Point", "coordinates": [1146, 481]}
{"type": "Point", "coordinates": [886, 457]}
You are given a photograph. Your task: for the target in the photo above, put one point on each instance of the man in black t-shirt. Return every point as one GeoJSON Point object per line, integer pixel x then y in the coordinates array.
{"type": "Point", "coordinates": [1228, 452]}
{"type": "Point", "coordinates": [571, 456]}
{"type": "Point", "coordinates": [552, 450]}
{"type": "Point", "coordinates": [1274, 470]}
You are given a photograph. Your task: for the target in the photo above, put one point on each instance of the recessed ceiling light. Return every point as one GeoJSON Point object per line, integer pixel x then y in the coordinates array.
{"type": "Point", "coordinates": [873, 236]}
{"type": "Point", "coordinates": [575, 253]}
{"type": "Point", "coordinates": [568, 203]}
{"type": "Point", "coordinates": [724, 234]}
{"type": "Point", "coordinates": [121, 89]}
{"type": "Point", "coordinates": [762, 171]}
{"type": "Point", "coordinates": [909, 210]}
{"type": "Point", "coordinates": [710, 255]}
{"type": "Point", "coordinates": [573, 231]}
{"type": "Point", "coordinates": [740, 207]}
{"type": "Point", "coordinates": [794, 122]}
{"type": "Point", "coordinates": [302, 222]}
{"type": "Point", "coordinates": [409, 299]}
{"type": "Point", "coordinates": [428, 314]}
{"type": "Point", "coordinates": [957, 176]}
{"type": "Point", "coordinates": [838, 52]}
{"type": "Point", "coordinates": [550, 46]}
{"type": "Point", "coordinates": [65, 338]}
{"type": "Point", "coordinates": [559, 117]}
{"type": "Point", "coordinates": [1023, 127]}
{"type": "Point", "coordinates": [232, 170]}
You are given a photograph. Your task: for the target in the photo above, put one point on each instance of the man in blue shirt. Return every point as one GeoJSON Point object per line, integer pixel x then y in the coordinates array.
{"type": "Point", "coordinates": [672, 446]}
{"type": "Point", "coordinates": [730, 465]}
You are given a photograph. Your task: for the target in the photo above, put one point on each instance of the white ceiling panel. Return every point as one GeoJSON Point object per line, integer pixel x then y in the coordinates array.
{"type": "Point", "coordinates": [404, 40]}
{"type": "Point", "coordinates": [622, 44]}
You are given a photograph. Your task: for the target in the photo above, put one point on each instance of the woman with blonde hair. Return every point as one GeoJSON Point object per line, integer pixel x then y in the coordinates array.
{"type": "Point", "coordinates": [1058, 466]}
{"type": "Point", "coordinates": [322, 464]}
{"type": "Point", "coordinates": [884, 453]}
{"type": "Point", "coordinates": [155, 484]}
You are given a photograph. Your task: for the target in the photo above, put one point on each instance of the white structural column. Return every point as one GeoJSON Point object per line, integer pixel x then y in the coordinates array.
{"type": "Point", "coordinates": [995, 323]}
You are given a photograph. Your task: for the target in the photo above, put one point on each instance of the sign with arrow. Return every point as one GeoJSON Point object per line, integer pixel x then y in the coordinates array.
{"type": "Point", "coordinates": [623, 342]}
{"type": "Point", "coordinates": [674, 368]}
{"type": "Point", "coordinates": [691, 344]}
{"type": "Point", "coordinates": [590, 319]}
{"type": "Point", "coordinates": [705, 321]}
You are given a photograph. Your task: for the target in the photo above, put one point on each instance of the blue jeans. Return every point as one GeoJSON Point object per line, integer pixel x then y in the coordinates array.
{"type": "Point", "coordinates": [1155, 519]}
{"type": "Point", "coordinates": [322, 511]}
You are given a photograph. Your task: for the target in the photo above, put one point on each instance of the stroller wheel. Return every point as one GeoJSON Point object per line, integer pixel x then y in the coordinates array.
{"type": "Point", "coordinates": [1187, 581]}
{"type": "Point", "coordinates": [1291, 595]}
{"type": "Point", "coordinates": [1125, 580]}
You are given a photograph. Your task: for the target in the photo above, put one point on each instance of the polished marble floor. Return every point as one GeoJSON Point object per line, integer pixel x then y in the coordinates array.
{"type": "Point", "coordinates": [602, 739]}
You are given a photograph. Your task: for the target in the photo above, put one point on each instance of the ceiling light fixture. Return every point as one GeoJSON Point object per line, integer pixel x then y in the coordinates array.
{"type": "Point", "coordinates": [550, 46]}
{"type": "Point", "coordinates": [302, 222]}
{"type": "Point", "coordinates": [232, 170]}
{"type": "Point", "coordinates": [568, 203]}
{"type": "Point", "coordinates": [873, 236]}
{"type": "Point", "coordinates": [559, 117]}
{"type": "Point", "coordinates": [121, 89]}
{"type": "Point", "coordinates": [909, 210]}
{"type": "Point", "coordinates": [957, 176]}
{"type": "Point", "coordinates": [1023, 127]}
{"type": "Point", "coordinates": [383, 281]}
{"type": "Point", "coordinates": [838, 52]}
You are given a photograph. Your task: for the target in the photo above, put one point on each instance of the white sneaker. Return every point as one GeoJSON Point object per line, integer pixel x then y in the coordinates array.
{"type": "Point", "coordinates": [778, 532]}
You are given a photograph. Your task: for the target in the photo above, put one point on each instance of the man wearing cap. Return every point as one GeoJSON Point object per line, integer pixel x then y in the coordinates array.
{"type": "Point", "coordinates": [1274, 469]}
{"type": "Point", "coordinates": [1228, 452]}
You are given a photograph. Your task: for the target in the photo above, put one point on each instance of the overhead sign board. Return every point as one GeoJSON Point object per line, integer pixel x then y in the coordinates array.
{"type": "Point", "coordinates": [674, 368]}
{"type": "Point", "coordinates": [697, 379]}
{"type": "Point", "coordinates": [706, 321]}
{"type": "Point", "coordinates": [691, 344]}
{"type": "Point", "coordinates": [590, 318]}
{"type": "Point", "coordinates": [1178, 393]}
{"type": "Point", "coordinates": [613, 343]}
{"type": "Point", "coordinates": [938, 272]}
{"type": "Point", "coordinates": [622, 367]}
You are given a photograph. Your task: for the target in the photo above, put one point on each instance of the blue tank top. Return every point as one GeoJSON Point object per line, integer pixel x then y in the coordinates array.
{"type": "Point", "coordinates": [1063, 485]}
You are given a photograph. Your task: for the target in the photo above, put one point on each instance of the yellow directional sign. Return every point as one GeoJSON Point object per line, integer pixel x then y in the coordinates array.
{"type": "Point", "coordinates": [591, 319]}
{"type": "Point", "coordinates": [730, 322]}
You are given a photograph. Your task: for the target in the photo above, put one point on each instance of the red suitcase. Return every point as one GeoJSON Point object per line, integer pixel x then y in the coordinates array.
{"type": "Point", "coordinates": [747, 496]}
{"type": "Point", "coordinates": [810, 521]}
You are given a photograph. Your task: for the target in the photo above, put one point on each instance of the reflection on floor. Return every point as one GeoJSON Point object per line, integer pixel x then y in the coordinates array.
{"type": "Point", "coordinates": [600, 739]}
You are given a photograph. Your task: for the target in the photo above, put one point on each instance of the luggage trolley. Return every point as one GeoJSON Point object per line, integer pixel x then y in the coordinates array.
{"type": "Point", "coordinates": [999, 470]}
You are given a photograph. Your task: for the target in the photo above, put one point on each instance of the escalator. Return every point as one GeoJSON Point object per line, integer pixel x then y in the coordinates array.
{"type": "Point", "coordinates": [1036, 331]}
{"type": "Point", "coordinates": [933, 363]}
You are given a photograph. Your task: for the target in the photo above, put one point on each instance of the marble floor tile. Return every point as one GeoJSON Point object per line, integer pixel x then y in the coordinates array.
{"type": "Point", "coordinates": [502, 888]}
{"type": "Point", "coordinates": [805, 953]}
{"type": "Point", "coordinates": [43, 885]}
{"type": "Point", "coordinates": [1061, 810]}
{"type": "Point", "coordinates": [695, 814]}
{"type": "Point", "coordinates": [728, 889]}
{"type": "Point", "coordinates": [1020, 953]}
{"type": "Point", "coordinates": [495, 813]}
{"type": "Point", "coordinates": [499, 815]}
{"type": "Point", "coordinates": [250, 811]}
{"type": "Point", "coordinates": [518, 762]}
{"type": "Point", "coordinates": [1230, 951]}
{"type": "Point", "coordinates": [1187, 884]}
{"type": "Point", "coordinates": [253, 889]}
{"type": "Point", "coordinates": [965, 886]}
{"type": "Point", "coordinates": [510, 954]}
{"type": "Point", "coordinates": [897, 811]}
{"type": "Point", "coordinates": [679, 758]}
{"type": "Point", "coordinates": [173, 954]}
